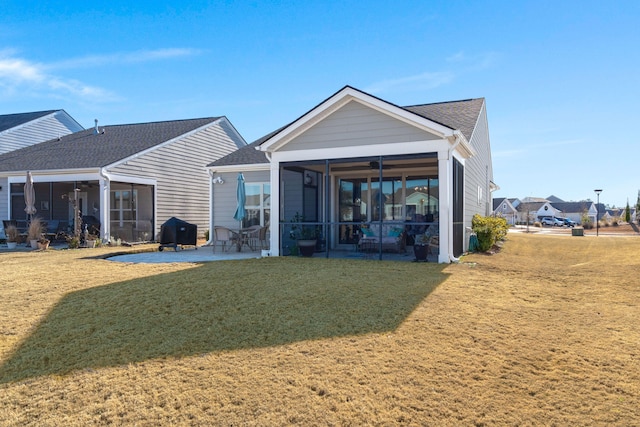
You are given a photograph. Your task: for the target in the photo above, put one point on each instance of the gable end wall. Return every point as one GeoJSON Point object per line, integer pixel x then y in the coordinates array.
{"type": "Point", "coordinates": [31, 133]}
{"type": "Point", "coordinates": [356, 124]}
{"type": "Point", "coordinates": [181, 174]}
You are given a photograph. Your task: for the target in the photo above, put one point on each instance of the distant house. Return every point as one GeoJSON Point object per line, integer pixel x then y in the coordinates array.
{"type": "Point", "coordinates": [355, 160]}
{"type": "Point", "coordinates": [507, 209]}
{"type": "Point", "coordinates": [576, 210]}
{"type": "Point", "coordinates": [126, 179]}
{"type": "Point", "coordinates": [23, 129]}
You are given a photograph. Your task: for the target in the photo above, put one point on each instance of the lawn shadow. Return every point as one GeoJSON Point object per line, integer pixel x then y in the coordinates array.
{"type": "Point", "coordinates": [215, 307]}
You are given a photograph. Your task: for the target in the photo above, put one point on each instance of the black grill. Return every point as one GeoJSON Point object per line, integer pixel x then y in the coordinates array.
{"type": "Point", "coordinates": [176, 232]}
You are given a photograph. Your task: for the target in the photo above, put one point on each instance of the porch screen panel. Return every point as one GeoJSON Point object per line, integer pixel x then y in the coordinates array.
{"type": "Point", "coordinates": [458, 208]}
{"type": "Point", "coordinates": [389, 194]}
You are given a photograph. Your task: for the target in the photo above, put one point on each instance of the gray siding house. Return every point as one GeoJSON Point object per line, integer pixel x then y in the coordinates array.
{"type": "Point", "coordinates": [24, 129]}
{"type": "Point", "coordinates": [356, 162]}
{"type": "Point", "coordinates": [126, 180]}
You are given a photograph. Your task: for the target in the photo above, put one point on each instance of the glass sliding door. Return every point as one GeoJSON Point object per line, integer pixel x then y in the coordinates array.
{"type": "Point", "coordinates": [352, 209]}
{"type": "Point", "coordinates": [387, 200]}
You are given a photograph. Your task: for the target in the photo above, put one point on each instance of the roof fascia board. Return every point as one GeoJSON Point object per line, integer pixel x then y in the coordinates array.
{"type": "Point", "coordinates": [416, 147]}
{"type": "Point", "coordinates": [56, 176]}
{"type": "Point", "coordinates": [341, 98]}
{"type": "Point", "coordinates": [161, 145]}
{"type": "Point", "coordinates": [241, 168]}
{"type": "Point", "coordinates": [78, 175]}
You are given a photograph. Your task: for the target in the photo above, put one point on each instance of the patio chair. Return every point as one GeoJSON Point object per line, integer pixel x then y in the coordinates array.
{"type": "Point", "coordinates": [252, 236]}
{"type": "Point", "coordinates": [262, 237]}
{"type": "Point", "coordinates": [225, 236]}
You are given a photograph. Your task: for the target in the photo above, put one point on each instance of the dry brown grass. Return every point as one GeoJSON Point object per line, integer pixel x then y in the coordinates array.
{"type": "Point", "coordinates": [544, 333]}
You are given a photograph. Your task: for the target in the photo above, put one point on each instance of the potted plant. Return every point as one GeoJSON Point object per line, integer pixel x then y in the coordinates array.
{"type": "Point", "coordinates": [34, 232]}
{"type": "Point", "coordinates": [421, 246]}
{"type": "Point", "coordinates": [92, 241]}
{"type": "Point", "coordinates": [13, 235]}
{"type": "Point", "coordinates": [305, 235]}
{"type": "Point", "coordinates": [43, 243]}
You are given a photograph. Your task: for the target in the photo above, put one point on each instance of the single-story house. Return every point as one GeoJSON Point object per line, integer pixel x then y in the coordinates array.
{"type": "Point", "coordinates": [575, 211]}
{"type": "Point", "coordinates": [507, 209]}
{"type": "Point", "coordinates": [356, 161]}
{"type": "Point", "coordinates": [23, 129]}
{"type": "Point", "coordinates": [125, 180]}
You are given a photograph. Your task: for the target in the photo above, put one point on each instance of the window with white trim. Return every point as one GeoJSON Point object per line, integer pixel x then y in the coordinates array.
{"type": "Point", "coordinates": [257, 204]}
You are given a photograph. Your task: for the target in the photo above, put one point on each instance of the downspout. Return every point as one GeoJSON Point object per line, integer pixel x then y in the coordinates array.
{"type": "Point", "coordinates": [104, 204]}
{"type": "Point", "coordinates": [210, 241]}
{"type": "Point", "coordinates": [457, 141]}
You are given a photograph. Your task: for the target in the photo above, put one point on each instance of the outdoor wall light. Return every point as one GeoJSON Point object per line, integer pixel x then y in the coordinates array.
{"type": "Point", "coordinates": [218, 180]}
{"type": "Point", "coordinates": [307, 178]}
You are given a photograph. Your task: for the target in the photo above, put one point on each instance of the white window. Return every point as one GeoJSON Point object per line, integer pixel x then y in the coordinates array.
{"type": "Point", "coordinates": [257, 204]}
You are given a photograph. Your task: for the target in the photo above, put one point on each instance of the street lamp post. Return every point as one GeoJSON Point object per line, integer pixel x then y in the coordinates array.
{"type": "Point", "coordinates": [597, 210]}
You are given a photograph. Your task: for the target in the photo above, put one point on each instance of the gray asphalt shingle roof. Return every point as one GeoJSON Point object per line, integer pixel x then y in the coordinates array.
{"type": "Point", "coordinates": [462, 115]}
{"type": "Point", "coordinates": [8, 121]}
{"type": "Point", "coordinates": [86, 149]}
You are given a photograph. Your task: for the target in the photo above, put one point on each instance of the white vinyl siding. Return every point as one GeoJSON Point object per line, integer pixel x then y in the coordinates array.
{"type": "Point", "coordinates": [478, 172]}
{"type": "Point", "coordinates": [224, 195]}
{"type": "Point", "coordinates": [355, 124]}
{"type": "Point", "coordinates": [49, 127]}
{"type": "Point", "coordinates": [180, 172]}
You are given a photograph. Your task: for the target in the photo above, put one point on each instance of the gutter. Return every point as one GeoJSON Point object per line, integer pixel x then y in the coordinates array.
{"type": "Point", "coordinates": [210, 241]}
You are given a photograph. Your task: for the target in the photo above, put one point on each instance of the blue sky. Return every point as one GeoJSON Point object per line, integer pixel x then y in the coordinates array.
{"type": "Point", "coordinates": [560, 78]}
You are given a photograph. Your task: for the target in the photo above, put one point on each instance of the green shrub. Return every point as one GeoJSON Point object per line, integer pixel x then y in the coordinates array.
{"type": "Point", "coordinates": [489, 230]}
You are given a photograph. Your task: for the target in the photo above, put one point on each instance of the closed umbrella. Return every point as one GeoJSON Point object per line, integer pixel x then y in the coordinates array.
{"type": "Point", "coordinates": [29, 196]}
{"type": "Point", "coordinates": [240, 196]}
{"type": "Point", "coordinates": [240, 211]}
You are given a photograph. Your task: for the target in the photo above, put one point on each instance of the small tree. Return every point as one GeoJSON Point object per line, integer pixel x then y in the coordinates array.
{"type": "Point", "coordinates": [627, 213]}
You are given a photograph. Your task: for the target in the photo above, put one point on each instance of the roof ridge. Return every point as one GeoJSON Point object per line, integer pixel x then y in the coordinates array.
{"type": "Point", "coordinates": [212, 118]}
{"type": "Point", "coordinates": [443, 102]}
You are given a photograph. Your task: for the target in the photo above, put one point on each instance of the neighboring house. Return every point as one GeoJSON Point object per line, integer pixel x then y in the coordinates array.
{"type": "Point", "coordinates": [530, 211]}
{"type": "Point", "coordinates": [127, 178]}
{"type": "Point", "coordinates": [507, 209]}
{"type": "Point", "coordinates": [356, 159]}
{"type": "Point", "coordinates": [25, 129]}
{"type": "Point", "coordinates": [554, 199]}
{"type": "Point", "coordinates": [576, 210]}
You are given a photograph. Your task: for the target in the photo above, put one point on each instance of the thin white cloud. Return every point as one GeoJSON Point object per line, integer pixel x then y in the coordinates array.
{"type": "Point", "coordinates": [417, 82]}
{"type": "Point", "coordinates": [124, 58]}
{"type": "Point", "coordinates": [18, 70]}
{"type": "Point", "coordinates": [478, 61]}
{"type": "Point", "coordinates": [18, 74]}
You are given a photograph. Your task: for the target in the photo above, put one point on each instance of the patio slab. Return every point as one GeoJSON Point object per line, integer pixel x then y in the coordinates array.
{"type": "Point", "coordinates": [203, 254]}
